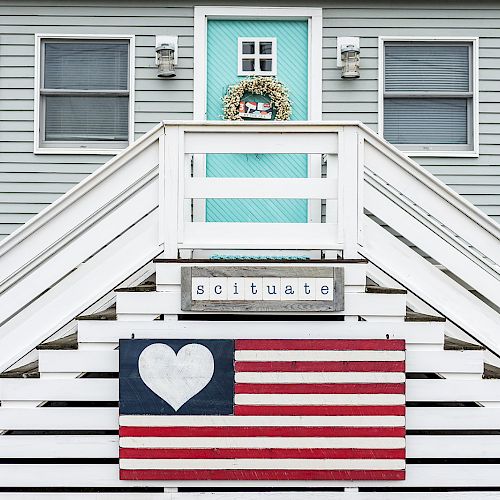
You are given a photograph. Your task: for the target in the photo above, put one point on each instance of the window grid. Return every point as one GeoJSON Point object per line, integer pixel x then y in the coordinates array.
{"type": "Point", "coordinates": [256, 62]}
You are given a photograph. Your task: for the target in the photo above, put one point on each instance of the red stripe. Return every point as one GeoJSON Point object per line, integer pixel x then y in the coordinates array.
{"type": "Point", "coordinates": [319, 366]}
{"type": "Point", "coordinates": [318, 410]}
{"type": "Point", "coordinates": [252, 474]}
{"type": "Point", "coordinates": [319, 388]}
{"type": "Point", "coordinates": [230, 431]}
{"type": "Point", "coordinates": [321, 344]}
{"type": "Point", "coordinates": [306, 453]}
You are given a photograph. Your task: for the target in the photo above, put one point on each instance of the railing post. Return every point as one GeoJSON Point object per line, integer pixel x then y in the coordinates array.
{"type": "Point", "coordinates": [349, 217]}
{"type": "Point", "coordinates": [169, 191]}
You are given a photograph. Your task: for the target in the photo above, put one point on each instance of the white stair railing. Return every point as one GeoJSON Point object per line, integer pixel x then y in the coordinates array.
{"type": "Point", "coordinates": [442, 224]}
{"type": "Point", "coordinates": [341, 187]}
{"type": "Point", "coordinates": [80, 247]}
{"type": "Point", "coordinates": [108, 226]}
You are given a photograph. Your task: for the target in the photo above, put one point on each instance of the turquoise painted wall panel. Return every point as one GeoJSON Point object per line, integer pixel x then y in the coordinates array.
{"type": "Point", "coordinates": [222, 64]}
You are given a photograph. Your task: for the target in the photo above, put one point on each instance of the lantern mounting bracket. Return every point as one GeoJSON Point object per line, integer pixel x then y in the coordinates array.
{"type": "Point", "coordinates": [344, 42]}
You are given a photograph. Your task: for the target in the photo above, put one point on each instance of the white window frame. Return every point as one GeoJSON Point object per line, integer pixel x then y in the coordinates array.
{"type": "Point", "coordinates": [473, 152]}
{"type": "Point", "coordinates": [39, 147]}
{"type": "Point", "coordinates": [257, 56]}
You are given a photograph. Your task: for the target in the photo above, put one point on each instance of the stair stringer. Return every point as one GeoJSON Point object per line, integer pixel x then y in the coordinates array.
{"type": "Point", "coordinates": [80, 248]}
{"type": "Point", "coordinates": [431, 285]}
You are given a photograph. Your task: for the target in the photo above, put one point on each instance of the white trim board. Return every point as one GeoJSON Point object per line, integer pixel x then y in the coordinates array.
{"type": "Point", "coordinates": [37, 149]}
{"type": "Point", "coordinates": [474, 122]}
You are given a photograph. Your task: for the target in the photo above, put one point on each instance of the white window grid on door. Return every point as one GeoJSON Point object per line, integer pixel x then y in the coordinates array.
{"type": "Point", "coordinates": [256, 57]}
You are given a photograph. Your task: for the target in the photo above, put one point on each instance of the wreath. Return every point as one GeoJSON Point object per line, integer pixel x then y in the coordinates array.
{"type": "Point", "coordinates": [258, 85]}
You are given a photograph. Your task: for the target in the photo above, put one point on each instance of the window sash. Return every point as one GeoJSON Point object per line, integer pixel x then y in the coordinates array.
{"type": "Point", "coordinates": [436, 121]}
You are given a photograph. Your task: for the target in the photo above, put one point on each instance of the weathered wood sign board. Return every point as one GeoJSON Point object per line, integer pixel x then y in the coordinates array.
{"type": "Point", "coordinates": [265, 289]}
{"type": "Point", "coordinates": [262, 409]}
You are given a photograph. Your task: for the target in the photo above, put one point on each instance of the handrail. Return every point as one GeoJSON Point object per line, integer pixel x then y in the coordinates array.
{"type": "Point", "coordinates": [432, 216]}
{"type": "Point", "coordinates": [123, 191]}
{"type": "Point", "coordinates": [20, 261]}
{"type": "Point", "coordinates": [431, 181]}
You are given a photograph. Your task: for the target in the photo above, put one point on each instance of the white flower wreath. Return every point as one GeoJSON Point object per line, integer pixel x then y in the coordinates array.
{"type": "Point", "coordinates": [259, 85]}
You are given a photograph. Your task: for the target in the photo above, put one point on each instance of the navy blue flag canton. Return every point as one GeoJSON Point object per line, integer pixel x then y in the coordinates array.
{"type": "Point", "coordinates": [214, 384]}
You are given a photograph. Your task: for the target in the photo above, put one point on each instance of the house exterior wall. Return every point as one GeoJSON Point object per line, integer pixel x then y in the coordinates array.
{"type": "Point", "coordinates": [28, 181]}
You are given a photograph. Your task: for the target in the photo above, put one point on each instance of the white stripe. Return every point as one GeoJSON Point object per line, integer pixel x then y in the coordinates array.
{"type": "Point", "coordinates": [260, 442]}
{"type": "Point", "coordinates": [319, 377]}
{"type": "Point", "coordinates": [319, 399]}
{"type": "Point", "coordinates": [260, 421]}
{"type": "Point", "coordinates": [286, 355]}
{"type": "Point", "coordinates": [261, 463]}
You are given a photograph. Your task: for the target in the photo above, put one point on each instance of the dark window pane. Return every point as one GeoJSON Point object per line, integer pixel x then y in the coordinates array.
{"type": "Point", "coordinates": [266, 65]}
{"type": "Point", "coordinates": [425, 121]}
{"type": "Point", "coordinates": [86, 118]}
{"type": "Point", "coordinates": [248, 48]}
{"type": "Point", "coordinates": [266, 48]}
{"type": "Point", "coordinates": [86, 65]}
{"type": "Point", "coordinates": [248, 65]}
{"type": "Point", "coordinates": [427, 67]}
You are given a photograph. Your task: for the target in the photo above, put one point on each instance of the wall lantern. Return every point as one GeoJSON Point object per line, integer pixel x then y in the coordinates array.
{"type": "Point", "coordinates": [348, 56]}
{"type": "Point", "coordinates": [166, 56]}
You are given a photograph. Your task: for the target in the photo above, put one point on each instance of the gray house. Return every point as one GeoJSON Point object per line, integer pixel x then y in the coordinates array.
{"type": "Point", "coordinates": [150, 152]}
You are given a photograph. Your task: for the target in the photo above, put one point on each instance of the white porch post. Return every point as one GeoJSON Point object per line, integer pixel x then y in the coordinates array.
{"type": "Point", "coordinates": [169, 190]}
{"type": "Point", "coordinates": [349, 203]}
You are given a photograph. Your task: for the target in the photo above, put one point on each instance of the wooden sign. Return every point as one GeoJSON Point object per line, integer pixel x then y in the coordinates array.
{"type": "Point", "coordinates": [262, 409]}
{"type": "Point", "coordinates": [269, 289]}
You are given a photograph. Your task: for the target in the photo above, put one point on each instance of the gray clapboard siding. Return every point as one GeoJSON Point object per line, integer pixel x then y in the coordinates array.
{"type": "Point", "coordinates": [35, 180]}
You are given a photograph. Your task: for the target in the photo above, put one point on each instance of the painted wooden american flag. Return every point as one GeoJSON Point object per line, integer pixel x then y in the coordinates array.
{"type": "Point", "coordinates": [262, 409]}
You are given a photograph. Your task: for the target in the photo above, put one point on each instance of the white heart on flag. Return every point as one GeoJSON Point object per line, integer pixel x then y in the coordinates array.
{"type": "Point", "coordinates": [176, 378]}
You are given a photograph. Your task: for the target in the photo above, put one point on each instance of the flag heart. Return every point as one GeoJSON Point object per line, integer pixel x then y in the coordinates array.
{"type": "Point", "coordinates": [176, 378]}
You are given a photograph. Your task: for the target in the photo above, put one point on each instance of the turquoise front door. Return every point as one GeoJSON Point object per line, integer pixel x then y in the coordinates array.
{"type": "Point", "coordinates": [223, 68]}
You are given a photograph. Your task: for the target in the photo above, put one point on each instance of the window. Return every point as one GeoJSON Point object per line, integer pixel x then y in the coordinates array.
{"type": "Point", "coordinates": [256, 56]}
{"type": "Point", "coordinates": [85, 94]}
{"type": "Point", "coordinates": [429, 103]}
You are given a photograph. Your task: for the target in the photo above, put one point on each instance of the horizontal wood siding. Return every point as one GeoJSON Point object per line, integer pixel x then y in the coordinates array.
{"type": "Point", "coordinates": [29, 182]}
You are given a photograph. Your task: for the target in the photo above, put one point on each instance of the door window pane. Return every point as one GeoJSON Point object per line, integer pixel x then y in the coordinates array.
{"type": "Point", "coordinates": [248, 48]}
{"type": "Point", "coordinates": [266, 48]}
{"type": "Point", "coordinates": [248, 64]}
{"type": "Point", "coordinates": [266, 65]}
